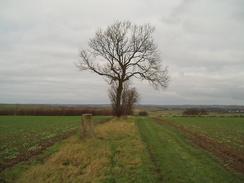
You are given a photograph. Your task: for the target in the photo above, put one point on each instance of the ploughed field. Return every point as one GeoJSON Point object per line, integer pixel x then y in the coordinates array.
{"type": "Point", "coordinates": [133, 149]}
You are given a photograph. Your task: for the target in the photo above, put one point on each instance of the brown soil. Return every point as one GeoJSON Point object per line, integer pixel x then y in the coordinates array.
{"type": "Point", "coordinates": [227, 155]}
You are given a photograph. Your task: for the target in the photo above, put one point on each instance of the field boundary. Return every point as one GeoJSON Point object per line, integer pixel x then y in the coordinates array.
{"type": "Point", "coordinates": [228, 156]}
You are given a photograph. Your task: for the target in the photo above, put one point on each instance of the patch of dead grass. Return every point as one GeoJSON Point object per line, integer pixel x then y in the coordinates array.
{"type": "Point", "coordinates": [77, 161]}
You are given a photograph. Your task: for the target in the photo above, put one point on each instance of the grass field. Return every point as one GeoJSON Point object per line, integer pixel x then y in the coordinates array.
{"type": "Point", "coordinates": [227, 130]}
{"type": "Point", "coordinates": [127, 150]}
{"type": "Point", "coordinates": [19, 134]}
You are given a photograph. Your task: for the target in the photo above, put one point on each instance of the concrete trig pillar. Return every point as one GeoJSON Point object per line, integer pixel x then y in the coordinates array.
{"type": "Point", "coordinates": [87, 126]}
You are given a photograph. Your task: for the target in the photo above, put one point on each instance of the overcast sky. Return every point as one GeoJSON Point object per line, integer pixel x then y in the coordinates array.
{"type": "Point", "coordinates": [201, 41]}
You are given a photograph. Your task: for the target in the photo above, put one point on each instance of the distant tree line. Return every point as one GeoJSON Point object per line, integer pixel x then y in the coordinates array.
{"type": "Point", "coordinates": [195, 112]}
{"type": "Point", "coordinates": [56, 111]}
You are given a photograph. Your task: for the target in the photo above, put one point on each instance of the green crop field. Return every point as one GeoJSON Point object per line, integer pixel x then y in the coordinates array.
{"type": "Point", "coordinates": [19, 134]}
{"type": "Point", "coordinates": [227, 130]}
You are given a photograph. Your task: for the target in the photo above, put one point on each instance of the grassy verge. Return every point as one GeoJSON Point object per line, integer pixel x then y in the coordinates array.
{"type": "Point", "coordinates": [117, 154]}
{"type": "Point", "coordinates": [179, 161]}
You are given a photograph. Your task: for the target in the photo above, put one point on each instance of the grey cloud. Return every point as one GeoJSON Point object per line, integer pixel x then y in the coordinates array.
{"type": "Point", "coordinates": [200, 40]}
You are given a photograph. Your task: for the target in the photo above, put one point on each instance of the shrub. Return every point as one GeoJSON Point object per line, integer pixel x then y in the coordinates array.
{"type": "Point", "coordinates": [143, 113]}
{"type": "Point", "coordinates": [195, 112]}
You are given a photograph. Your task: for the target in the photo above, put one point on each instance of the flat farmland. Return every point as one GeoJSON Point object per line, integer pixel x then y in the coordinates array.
{"type": "Point", "coordinates": [22, 134]}
{"type": "Point", "coordinates": [225, 130]}
{"type": "Point", "coordinates": [131, 149]}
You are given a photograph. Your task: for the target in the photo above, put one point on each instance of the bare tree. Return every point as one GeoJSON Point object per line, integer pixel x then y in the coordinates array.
{"type": "Point", "coordinates": [129, 98]}
{"type": "Point", "coordinates": [124, 51]}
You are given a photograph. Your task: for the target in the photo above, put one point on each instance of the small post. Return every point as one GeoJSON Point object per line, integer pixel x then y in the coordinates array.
{"type": "Point", "coordinates": [87, 126]}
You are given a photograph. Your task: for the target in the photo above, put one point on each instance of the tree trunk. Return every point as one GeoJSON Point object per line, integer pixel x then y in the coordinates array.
{"type": "Point", "coordinates": [118, 110]}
